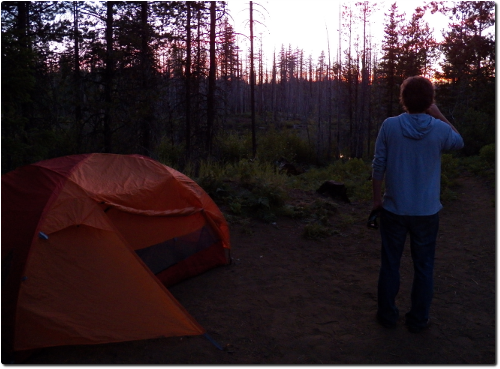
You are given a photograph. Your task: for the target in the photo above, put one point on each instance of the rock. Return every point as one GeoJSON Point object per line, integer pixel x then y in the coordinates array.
{"type": "Point", "coordinates": [334, 189]}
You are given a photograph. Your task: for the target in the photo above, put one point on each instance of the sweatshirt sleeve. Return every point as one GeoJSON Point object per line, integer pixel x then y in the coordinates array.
{"type": "Point", "coordinates": [379, 162]}
{"type": "Point", "coordinates": [453, 141]}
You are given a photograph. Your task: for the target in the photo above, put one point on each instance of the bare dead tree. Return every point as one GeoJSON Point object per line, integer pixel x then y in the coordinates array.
{"type": "Point", "coordinates": [188, 81]}
{"type": "Point", "coordinates": [211, 80]}
{"type": "Point", "coordinates": [77, 78]}
{"type": "Point", "coordinates": [252, 85]}
{"type": "Point", "coordinates": [328, 79]}
{"type": "Point", "coordinates": [108, 78]}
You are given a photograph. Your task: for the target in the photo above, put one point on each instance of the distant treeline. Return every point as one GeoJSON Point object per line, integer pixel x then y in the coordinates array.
{"type": "Point", "coordinates": [145, 77]}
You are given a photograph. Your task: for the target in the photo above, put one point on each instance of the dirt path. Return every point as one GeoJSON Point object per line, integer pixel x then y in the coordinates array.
{"type": "Point", "coordinates": [287, 300]}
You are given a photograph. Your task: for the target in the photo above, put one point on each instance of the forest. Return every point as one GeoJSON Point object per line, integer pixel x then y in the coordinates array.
{"type": "Point", "coordinates": [168, 80]}
{"type": "Point", "coordinates": [173, 81]}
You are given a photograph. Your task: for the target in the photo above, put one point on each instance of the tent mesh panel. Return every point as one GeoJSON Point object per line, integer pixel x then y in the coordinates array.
{"type": "Point", "coordinates": [167, 253]}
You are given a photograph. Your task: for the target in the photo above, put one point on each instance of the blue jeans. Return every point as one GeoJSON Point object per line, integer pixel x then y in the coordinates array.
{"type": "Point", "coordinates": [423, 232]}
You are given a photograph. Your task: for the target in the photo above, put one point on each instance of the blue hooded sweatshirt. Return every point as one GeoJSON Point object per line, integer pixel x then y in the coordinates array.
{"type": "Point", "coordinates": [408, 153]}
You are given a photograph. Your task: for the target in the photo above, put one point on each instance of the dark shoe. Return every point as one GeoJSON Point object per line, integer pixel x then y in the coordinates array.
{"type": "Point", "coordinates": [386, 323]}
{"type": "Point", "coordinates": [415, 329]}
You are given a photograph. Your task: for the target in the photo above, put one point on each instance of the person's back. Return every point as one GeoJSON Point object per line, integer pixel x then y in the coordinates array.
{"type": "Point", "coordinates": [412, 162]}
{"type": "Point", "coordinates": [408, 156]}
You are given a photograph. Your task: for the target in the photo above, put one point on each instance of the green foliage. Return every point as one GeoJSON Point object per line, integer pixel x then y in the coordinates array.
{"type": "Point", "coordinates": [488, 154]}
{"type": "Point", "coordinates": [248, 170]}
{"type": "Point", "coordinates": [447, 194]}
{"type": "Point", "coordinates": [354, 173]}
{"type": "Point", "coordinates": [482, 164]}
{"type": "Point", "coordinates": [260, 201]}
{"type": "Point", "coordinates": [272, 146]}
{"type": "Point", "coordinates": [18, 83]}
{"type": "Point", "coordinates": [317, 231]}
{"type": "Point", "coordinates": [449, 166]}
{"type": "Point", "coordinates": [318, 218]}
{"type": "Point", "coordinates": [247, 188]}
{"type": "Point", "coordinates": [478, 129]}
{"type": "Point", "coordinates": [254, 189]}
{"type": "Point", "coordinates": [234, 147]}
{"type": "Point", "coordinates": [356, 177]}
{"type": "Point", "coordinates": [345, 220]}
{"type": "Point", "coordinates": [13, 153]}
{"type": "Point", "coordinates": [449, 172]}
{"type": "Point", "coordinates": [169, 153]}
{"type": "Point", "coordinates": [286, 143]}
{"type": "Point", "coordinates": [465, 60]}
{"type": "Point", "coordinates": [36, 145]}
{"type": "Point", "coordinates": [320, 210]}
{"type": "Point", "coordinates": [317, 215]}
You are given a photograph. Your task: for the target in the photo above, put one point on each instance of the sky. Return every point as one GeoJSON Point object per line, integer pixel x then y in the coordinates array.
{"type": "Point", "coordinates": [308, 24]}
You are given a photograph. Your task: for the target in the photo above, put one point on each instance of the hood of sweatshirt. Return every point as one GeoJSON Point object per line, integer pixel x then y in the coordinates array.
{"type": "Point", "coordinates": [416, 126]}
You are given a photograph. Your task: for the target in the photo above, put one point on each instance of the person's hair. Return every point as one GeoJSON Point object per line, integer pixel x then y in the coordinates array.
{"type": "Point", "coordinates": [416, 94]}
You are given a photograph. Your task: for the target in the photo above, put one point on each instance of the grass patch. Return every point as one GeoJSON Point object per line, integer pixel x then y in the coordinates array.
{"type": "Point", "coordinates": [255, 189]}
{"type": "Point", "coordinates": [316, 231]}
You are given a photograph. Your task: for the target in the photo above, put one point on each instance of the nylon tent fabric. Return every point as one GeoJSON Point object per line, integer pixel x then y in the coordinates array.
{"type": "Point", "coordinates": [76, 233]}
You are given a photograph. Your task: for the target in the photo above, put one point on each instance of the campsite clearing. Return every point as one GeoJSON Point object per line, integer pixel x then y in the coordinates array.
{"type": "Point", "coordinates": [287, 300]}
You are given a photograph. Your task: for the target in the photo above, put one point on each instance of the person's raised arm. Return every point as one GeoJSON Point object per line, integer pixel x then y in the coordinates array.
{"type": "Point", "coordinates": [434, 111]}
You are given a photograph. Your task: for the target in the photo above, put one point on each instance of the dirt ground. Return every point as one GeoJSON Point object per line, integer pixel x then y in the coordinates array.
{"type": "Point", "coordinates": [288, 300]}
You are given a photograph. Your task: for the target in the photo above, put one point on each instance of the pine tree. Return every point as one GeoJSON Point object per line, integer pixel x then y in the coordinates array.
{"type": "Point", "coordinates": [391, 52]}
{"type": "Point", "coordinates": [469, 69]}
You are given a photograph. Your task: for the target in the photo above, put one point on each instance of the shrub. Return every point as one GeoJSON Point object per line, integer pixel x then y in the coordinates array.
{"type": "Point", "coordinates": [284, 143]}
{"type": "Point", "coordinates": [247, 188]}
{"type": "Point", "coordinates": [449, 168]}
{"type": "Point", "coordinates": [449, 172]}
{"type": "Point", "coordinates": [233, 147]}
{"type": "Point", "coordinates": [477, 129]}
{"type": "Point", "coordinates": [169, 153]}
{"type": "Point", "coordinates": [482, 164]}
{"type": "Point", "coordinates": [487, 154]}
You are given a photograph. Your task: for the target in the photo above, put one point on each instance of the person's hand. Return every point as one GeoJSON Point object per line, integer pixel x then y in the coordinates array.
{"type": "Point", "coordinates": [372, 218]}
{"type": "Point", "coordinates": [434, 111]}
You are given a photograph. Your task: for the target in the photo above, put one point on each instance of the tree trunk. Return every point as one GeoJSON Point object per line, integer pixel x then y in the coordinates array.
{"type": "Point", "coordinates": [339, 82]}
{"type": "Point", "coordinates": [146, 71]}
{"type": "Point", "coordinates": [211, 80]}
{"type": "Point", "coordinates": [328, 79]}
{"type": "Point", "coordinates": [77, 80]}
{"type": "Point", "coordinates": [108, 78]}
{"type": "Point", "coordinates": [188, 82]}
{"type": "Point", "coordinates": [252, 85]}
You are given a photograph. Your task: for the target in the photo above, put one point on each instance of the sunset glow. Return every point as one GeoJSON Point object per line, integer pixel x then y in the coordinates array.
{"type": "Point", "coordinates": [312, 26]}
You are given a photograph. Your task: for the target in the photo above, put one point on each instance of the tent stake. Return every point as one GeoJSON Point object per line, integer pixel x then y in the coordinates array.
{"type": "Point", "coordinates": [213, 341]}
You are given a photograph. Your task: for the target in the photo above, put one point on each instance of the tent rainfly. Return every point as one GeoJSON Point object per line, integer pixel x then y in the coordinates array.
{"type": "Point", "coordinates": [89, 244]}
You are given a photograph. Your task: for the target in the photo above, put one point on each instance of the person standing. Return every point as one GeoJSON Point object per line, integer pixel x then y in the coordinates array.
{"type": "Point", "coordinates": [408, 158]}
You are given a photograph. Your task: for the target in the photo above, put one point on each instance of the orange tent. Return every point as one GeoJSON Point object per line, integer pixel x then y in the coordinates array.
{"type": "Point", "coordinates": [89, 243]}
